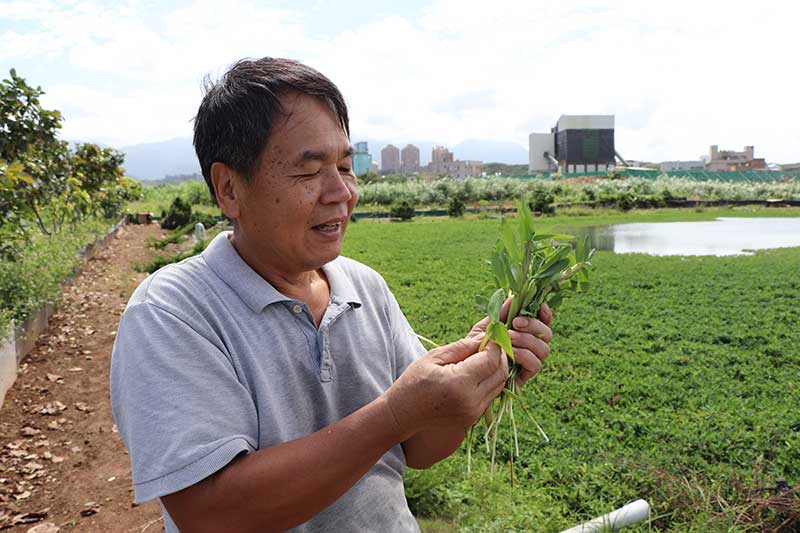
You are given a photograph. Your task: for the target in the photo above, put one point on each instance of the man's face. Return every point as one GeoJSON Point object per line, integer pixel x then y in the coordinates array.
{"type": "Point", "coordinates": [296, 209]}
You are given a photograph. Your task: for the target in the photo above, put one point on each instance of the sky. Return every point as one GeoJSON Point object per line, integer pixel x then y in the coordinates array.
{"type": "Point", "coordinates": [678, 76]}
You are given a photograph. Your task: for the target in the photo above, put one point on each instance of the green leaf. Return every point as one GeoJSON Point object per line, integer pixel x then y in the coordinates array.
{"type": "Point", "coordinates": [482, 302]}
{"type": "Point", "coordinates": [495, 304]}
{"type": "Point", "coordinates": [553, 237]}
{"type": "Point", "coordinates": [503, 340]}
{"type": "Point", "coordinates": [510, 241]}
{"type": "Point", "coordinates": [555, 300]}
{"type": "Point", "coordinates": [526, 230]}
{"type": "Point", "coordinates": [553, 269]}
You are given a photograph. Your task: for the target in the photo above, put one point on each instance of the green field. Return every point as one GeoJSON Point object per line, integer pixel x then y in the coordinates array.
{"type": "Point", "coordinates": [674, 380]}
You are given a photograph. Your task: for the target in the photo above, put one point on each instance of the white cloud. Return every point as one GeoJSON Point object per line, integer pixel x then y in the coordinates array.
{"type": "Point", "coordinates": [679, 76]}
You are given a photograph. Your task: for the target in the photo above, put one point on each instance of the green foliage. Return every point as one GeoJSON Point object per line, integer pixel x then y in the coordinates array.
{"type": "Point", "coordinates": [669, 381]}
{"type": "Point", "coordinates": [42, 183]}
{"type": "Point", "coordinates": [95, 166]}
{"type": "Point", "coordinates": [179, 214]}
{"type": "Point", "coordinates": [641, 192]}
{"type": "Point", "coordinates": [402, 209]}
{"type": "Point", "coordinates": [369, 177]}
{"type": "Point", "coordinates": [456, 207]}
{"type": "Point", "coordinates": [162, 261]}
{"type": "Point", "coordinates": [542, 201]}
{"type": "Point", "coordinates": [36, 274]}
{"type": "Point", "coordinates": [24, 125]}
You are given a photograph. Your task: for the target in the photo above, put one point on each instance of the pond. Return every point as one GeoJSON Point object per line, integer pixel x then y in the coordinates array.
{"type": "Point", "coordinates": [723, 236]}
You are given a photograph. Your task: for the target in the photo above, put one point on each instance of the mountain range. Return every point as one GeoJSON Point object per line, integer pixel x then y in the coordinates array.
{"type": "Point", "coordinates": [156, 160]}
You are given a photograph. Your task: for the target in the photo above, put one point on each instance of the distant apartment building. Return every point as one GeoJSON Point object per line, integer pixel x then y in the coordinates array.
{"type": "Point", "coordinates": [672, 166]}
{"type": "Point", "coordinates": [390, 159]}
{"type": "Point", "coordinates": [409, 159]}
{"type": "Point", "coordinates": [440, 154]}
{"type": "Point", "coordinates": [443, 164]}
{"type": "Point", "coordinates": [362, 160]}
{"type": "Point", "coordinates": [374, 167]}
{"type": "Point", "coordinates": [731, 160]}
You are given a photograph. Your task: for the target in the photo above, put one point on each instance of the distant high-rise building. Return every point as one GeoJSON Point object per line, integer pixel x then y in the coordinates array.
{"type": "Point", "coordinates": [390, 159]}
{"type": "Point", "coordinates": [440, 154]}
{"type": "Point", "coordinates": [409, 159]}
{"type": "Point", "coordinates": [362, 160]}
{"type": "Point", "coordinates": [731, 160]}
{"type": "Point", "coordinates": [443, 164]}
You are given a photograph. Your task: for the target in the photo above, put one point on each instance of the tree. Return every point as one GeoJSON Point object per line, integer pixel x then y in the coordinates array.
{"type": "Point", "coordinates": [23, 122]}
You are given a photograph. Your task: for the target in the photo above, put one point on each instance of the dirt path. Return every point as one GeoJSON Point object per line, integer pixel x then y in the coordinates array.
{"type": "Point", "coordinates": [61, 460]}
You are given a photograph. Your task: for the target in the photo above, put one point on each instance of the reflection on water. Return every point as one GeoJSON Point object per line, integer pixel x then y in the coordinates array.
{"type": "Point", "coordinates": [723, 236]}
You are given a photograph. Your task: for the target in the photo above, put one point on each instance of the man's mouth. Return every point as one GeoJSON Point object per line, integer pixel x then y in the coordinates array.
{"type": "Point", "coordinates": [329, 226]}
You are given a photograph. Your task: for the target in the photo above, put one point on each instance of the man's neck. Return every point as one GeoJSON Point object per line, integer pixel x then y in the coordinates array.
{"type": "Point", "coordinates": [303, 285]}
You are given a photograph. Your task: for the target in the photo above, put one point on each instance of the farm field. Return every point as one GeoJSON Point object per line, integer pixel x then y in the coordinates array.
{"type": "Point", "coordinates": [674, 380]}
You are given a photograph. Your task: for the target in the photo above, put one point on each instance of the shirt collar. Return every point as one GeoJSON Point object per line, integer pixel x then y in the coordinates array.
{"type": "Point", "coordinates": [255, 291]}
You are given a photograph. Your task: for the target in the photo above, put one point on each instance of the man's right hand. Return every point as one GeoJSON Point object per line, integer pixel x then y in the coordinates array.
{"type": "Point", "coordinates": [449, 386]}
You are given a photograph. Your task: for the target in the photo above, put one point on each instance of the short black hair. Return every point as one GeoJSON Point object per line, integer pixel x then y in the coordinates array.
{"type": "Point", "coordinates": [238, 112]}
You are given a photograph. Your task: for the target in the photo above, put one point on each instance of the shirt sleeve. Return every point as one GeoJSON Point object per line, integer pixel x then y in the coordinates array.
{"type": "Point", "coordinates": [406, 343]}
{"type": "Point", "coordinates": [178, 404]}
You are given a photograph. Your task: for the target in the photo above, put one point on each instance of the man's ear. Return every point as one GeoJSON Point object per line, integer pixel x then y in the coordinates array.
{"type": "Point", "coordinates": [227, 188]}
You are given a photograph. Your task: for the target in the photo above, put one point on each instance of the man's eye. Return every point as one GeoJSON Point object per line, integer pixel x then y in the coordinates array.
{"type": "Point", "coordinates": [345, 170]}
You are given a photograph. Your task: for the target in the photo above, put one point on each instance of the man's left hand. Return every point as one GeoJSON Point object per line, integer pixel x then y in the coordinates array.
{"type": "Point", "coordinates": [530, 338]}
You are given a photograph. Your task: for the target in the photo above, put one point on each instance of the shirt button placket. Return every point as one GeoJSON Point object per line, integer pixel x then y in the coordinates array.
{"type": "Point", "coordinates": [325, 367]}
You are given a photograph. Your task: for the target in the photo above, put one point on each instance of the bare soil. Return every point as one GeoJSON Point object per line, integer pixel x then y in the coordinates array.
{"type": "Point", "coordinates": [63, 466]}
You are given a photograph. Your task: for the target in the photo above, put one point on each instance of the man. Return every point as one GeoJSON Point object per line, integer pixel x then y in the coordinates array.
{"type": "Point", "coordinates": [268, 383]}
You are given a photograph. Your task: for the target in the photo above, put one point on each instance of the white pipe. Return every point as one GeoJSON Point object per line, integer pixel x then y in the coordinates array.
{"type": "Point", "coordinates": [631, 514]}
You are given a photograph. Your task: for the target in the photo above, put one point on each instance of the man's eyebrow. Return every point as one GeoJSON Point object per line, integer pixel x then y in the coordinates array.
{"type": "Point", "coordinates": [318, 155]}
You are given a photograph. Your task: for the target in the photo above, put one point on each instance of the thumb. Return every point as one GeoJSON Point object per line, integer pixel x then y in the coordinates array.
{"type": "Point", "coordinates": [455, 351]}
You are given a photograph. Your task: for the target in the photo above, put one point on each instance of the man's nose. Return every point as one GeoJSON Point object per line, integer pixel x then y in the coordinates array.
{"type": "Point", "coordinates": [337, 188]}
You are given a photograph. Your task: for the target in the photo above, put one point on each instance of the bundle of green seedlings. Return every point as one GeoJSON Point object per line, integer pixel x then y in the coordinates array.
{"type": "Point", "coordinates": [530, 268]}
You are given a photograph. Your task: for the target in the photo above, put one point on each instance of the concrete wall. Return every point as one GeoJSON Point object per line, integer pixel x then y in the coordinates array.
{"type": "Point", "coordinates": [538, 144]}
{"type": "Point", "coordinates": [585, 122]}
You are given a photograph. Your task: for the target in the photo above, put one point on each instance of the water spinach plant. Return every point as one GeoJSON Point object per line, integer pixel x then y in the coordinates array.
{"type": "Point", "coordinates": [531, 269]}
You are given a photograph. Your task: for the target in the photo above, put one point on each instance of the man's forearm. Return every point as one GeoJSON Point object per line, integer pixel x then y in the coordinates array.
{"type": "Point", "coordinates": [283, 486]}
{"type": "Point", "coordinates": [430, 446]}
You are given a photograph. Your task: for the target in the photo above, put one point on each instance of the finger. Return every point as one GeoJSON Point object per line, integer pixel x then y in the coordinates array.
{"type": "Point", "coordinates": [526, 341]}
{"type": "Point", "coordinates": [479, 328]}
{"type": "Point", "coordinates": [455, 351]}
{"type": "Point", "coordinates": [482, 365]}
{"type": "Point", "coordinates": [493, 384]}
{"type": "Point", "coordinates": [533, 327]}
{"type": "Point", "coordinates": [504, 309]}
{"type": "Point", "coordinates": [529, 364]}
{"type": "Point", "coordinates": [545, 314]}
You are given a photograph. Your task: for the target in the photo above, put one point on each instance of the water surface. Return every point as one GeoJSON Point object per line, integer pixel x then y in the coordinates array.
{"type": "Point", "coordinates": [723, 236]}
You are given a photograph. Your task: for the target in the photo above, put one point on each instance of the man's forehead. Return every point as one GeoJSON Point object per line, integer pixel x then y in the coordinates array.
{"type": "Point", "coordinates": [308, 128]}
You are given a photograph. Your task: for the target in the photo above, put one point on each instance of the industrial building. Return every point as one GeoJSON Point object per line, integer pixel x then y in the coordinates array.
{"type": "Point", "coordinates": [390, 159]}
{"type": "Point", "coordinates": [672, 166]}
{"type": "Point", "coordinates": [577, 143]}
{"type": "Point", "coordinates": [362, 160]}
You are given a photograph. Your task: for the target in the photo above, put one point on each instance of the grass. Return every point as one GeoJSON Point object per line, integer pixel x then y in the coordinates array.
{"type": "Point", "coordinates": [674, 380]}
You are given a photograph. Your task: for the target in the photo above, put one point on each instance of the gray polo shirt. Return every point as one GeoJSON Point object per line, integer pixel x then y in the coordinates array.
{"type": "Point", "coordinates": [211, 361]}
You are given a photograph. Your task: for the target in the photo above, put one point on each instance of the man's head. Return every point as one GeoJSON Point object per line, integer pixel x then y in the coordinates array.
{"type": "Point", "coordinates": [238, 113]}
{"type": "Point", "coordinates": [272, 139]}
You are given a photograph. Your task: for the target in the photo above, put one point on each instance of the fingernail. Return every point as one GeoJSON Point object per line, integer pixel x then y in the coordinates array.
{"type": "Point", "coordinates": [521, 322]}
